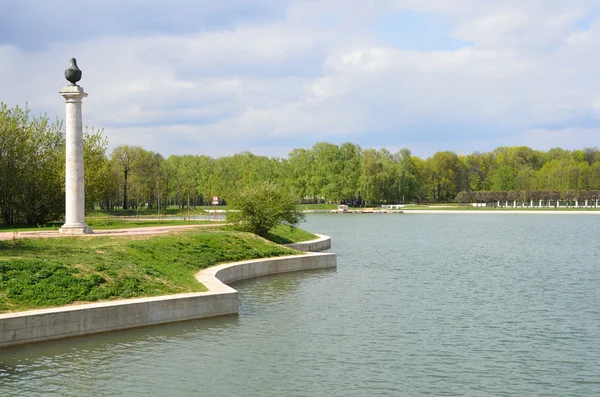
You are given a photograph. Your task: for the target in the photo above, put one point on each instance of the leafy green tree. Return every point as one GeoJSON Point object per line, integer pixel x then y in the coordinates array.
{"type": "Point", "coordinates": [477, 166]}
{"type": "Point", "coordinates": [203, 177]}
{"type": "Point", "coordinates": [31, 167]}
{"type": "Point", "coordinates": [325, 171]}
{"type": "Point", "coordinates": [423, 191]}
{"type": "Point", "coordinates": [443, 167]}
{"type": "Point", "coordinates": [149, 177]}
{"type": "Point", "coordinates": [96, 167]}
{"type": "Point", "coordinates": [258, 209]}
{"type": "Point", "coordinates": [408, 175]}
{"type": "Point", "coordinates": [181, 178]}
{"type": "Point", "coordinates": [592, 155]}
{"type": "Point", "coordinates": [349, 175]}
{"type": "Point", "coordinates": [503, 178]}
{"type": "Point", "coordinates": [298, 173]}
{"type": "Point", "coordinates": [125, 157]}
{"type": "Point", "coordinates": [388, 178]}
{"type": "Point", "coordinates": [372, 170]}
{"type": "Point", "coordinates": [109, 186]}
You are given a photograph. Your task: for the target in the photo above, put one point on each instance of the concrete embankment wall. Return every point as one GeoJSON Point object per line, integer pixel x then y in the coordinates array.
{"type": "Point", "coordinates": [62, 322]}
{"type": "Point", "coordinates": [321, 244]}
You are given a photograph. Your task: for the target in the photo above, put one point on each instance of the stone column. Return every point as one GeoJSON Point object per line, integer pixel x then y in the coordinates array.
{"type": "Point", "coordinates": [75, 194]}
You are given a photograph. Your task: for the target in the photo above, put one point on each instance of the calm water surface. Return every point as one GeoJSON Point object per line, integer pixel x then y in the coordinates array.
{"type": "Point", "coordinates": [420, 305]}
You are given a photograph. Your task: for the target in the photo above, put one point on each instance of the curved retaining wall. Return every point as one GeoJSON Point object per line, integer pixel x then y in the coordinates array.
{"type": "Point", "coordinates": [62, 322]}
{"type": "Point", "coordinates": [321, 244]}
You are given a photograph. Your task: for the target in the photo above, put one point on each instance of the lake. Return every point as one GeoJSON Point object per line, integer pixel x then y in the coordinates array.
{"type": "Point", "coordinates": [420, 305]}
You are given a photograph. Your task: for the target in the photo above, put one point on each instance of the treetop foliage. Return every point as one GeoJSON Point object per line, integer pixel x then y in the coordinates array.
{"type": "Point", "coordinates": [349, 174]}
{"type": "Point", "coordinates": [31, 161]}
{"type": "Point", "coordinates": [32, 173]}
{"type": "Point", "coordinates": [345, 174]}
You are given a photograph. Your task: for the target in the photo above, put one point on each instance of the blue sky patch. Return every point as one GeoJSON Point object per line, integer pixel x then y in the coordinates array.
{"type": "Point", "coordinates": [416, 31]}
{"type": "Point", "coordinates": [586, 22]}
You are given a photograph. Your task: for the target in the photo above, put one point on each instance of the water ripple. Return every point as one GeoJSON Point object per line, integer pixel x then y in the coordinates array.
{"type": "Point", "coordinates": [420, 305]}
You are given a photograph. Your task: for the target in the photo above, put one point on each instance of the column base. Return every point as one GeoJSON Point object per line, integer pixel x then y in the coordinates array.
{"type": "Point", "coordinates": [75, 229]}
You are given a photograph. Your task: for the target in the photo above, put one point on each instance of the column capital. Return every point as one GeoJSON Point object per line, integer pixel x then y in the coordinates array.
{"type": "Point", "coordinates": [73, 93]}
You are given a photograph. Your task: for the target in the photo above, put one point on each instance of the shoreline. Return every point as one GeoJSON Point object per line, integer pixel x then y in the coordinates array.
{"type": "Point", "coordinates": [39, 325]}
{"type": "Point", "coordinates": [465, 211]}
{"type": "Point", "coordinates": [502, 211]}
{"type": "Point", "coordinates": [579, 211]}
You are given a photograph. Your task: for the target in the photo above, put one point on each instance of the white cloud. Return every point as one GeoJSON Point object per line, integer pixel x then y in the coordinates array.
{"type": "Point", "coordinates": [321, 74]}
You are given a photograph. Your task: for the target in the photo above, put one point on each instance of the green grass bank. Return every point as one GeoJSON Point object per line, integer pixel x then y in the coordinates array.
{"type": "Point", "coordinates": [38, 273]}
{"type": "Point", "coordinates": [109, 223]}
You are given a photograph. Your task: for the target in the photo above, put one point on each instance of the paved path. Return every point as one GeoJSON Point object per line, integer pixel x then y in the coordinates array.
{"type": "Point", "coordinates": [107, 232]}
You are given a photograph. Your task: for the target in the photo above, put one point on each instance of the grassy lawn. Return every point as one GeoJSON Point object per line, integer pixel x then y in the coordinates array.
{"type": "Point", "coordinates": [37, 273]}
{"type": "Point", "coordinates": [145, 212]}
{"type": "Point", "coordinates": [116, 223]}
{"type": "Point", "coordinates": [107, 223]}
{"type": "Point", "coordinates": [28, 228]}
{"type": "Point", "coordinates": [286, 235]}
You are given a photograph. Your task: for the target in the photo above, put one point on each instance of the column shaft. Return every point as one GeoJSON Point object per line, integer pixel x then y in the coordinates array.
{"type": "Point", "coordinates": [75, 194]}
{"type": "Point", "coordinates": [74, 179]}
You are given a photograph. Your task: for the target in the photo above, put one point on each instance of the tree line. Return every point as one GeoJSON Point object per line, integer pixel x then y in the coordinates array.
{"type": "Point", "coordinates": [32, 174]}
{"type": "Point", "coordinates": [32, 166]}
{"type": "Point", "coordinates": [349, 174]}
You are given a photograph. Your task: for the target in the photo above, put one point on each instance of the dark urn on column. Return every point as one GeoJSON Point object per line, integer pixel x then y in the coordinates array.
{"type": "Point", "coordinates": [73, 73]}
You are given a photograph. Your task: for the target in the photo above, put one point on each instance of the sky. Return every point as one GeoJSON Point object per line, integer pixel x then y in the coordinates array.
{"type": "Point", "coordinates": [267, 76]}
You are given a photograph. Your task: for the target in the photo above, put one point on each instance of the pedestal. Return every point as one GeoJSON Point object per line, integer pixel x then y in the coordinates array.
{"type": "Point", "coordinates": [75, 229]}
{"type": "Point", "coordinates": [74, 182]}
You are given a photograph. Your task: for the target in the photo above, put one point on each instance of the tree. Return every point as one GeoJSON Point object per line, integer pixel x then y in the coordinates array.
{"type": "Point", "coordinates": [592, 154]}
{"type": "Point", "coordinates": [258, 209]}
{"type": "Point", "coordinates": [96, 167]}
{"type": "Point", "coordinates": [463, 198]}
{"type": "Point", "coordinates": [408, 182]}
{"type": "Point", "coordinates": [109, 186]}
{"type": "Point", "coordinates": [349, 176]}
{"type": "Point", "coordinates": [503, 178]}
{"type": "Point", "coordinates": [125, 156]}
{"type": "Point", "coordinates": [203, 177]}
{"type": "Point", "coordinates": [477, 165]}
{"type": "Point", "coordinates": [31, 167]}
{"type": "Point", "coordinates": [443, 167]}
{"type": "Point", "coordinates": [371, 173]}
{"type": "Point", "coordinates": [298, 172]}
{"type": "Point", "coordinates": [325, 171]}
{"type": "Point", "coordinates": [149, 179]}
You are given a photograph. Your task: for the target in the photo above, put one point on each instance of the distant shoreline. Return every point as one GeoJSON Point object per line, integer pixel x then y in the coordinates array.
{"type": "Point", "coordinates": [484, 211]}
{"type": "Point", "coordinates": [582, 211]}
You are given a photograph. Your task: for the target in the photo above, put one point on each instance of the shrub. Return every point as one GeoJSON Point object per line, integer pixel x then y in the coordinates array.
{"type": "Point", "coordinates": [258, 209]}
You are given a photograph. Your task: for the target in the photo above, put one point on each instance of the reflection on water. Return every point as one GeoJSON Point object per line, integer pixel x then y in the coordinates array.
{"type": "Point", "coordinates": [114, 340]}
{"type": "Point", "coordinates": [71, 366]}
{"type": "Point", "coordinates": [269, 289]}
{"type": "Point", "coordinates": [419, 305]}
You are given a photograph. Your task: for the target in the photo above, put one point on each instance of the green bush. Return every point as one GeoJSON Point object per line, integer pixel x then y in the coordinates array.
{"type": "Point", "coordinates": [259, 209]}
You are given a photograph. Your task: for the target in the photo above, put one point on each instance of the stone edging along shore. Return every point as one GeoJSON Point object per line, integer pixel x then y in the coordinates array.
{"type": "Point", "coordinates": [220, 299]}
